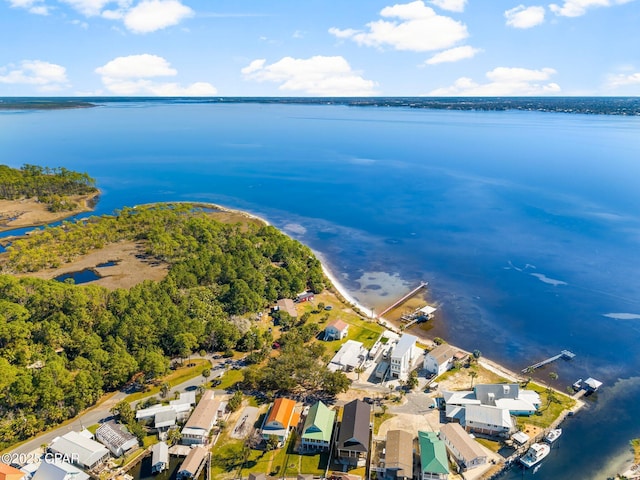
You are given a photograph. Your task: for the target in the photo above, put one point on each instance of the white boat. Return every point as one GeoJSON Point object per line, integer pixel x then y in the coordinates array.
{"type": "Point", "coordinates": [553, 435]}
{"type": "Point", "coordinates": [535, 454]}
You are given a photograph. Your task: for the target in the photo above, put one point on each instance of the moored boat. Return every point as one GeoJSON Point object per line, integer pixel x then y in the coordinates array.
{"type": "Point", "coordinates": [553, 435]}
{"type": "Point", "coordinates": [535, 454]}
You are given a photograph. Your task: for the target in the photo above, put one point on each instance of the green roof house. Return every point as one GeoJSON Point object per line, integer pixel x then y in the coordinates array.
{"type": "Point", "coordinates": [434, 464]}
{"type": "Point", "coordinates": [318, 427]}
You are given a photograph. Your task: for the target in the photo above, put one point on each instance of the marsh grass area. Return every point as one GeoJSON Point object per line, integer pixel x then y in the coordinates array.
{"type": "Point", "coordinates": [29, 212]}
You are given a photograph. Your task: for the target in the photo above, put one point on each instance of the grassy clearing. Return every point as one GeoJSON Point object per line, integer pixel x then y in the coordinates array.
{"type": "Point", "coordinates": [490, 444]}
{"type": "Point", "coordinates": [378, 419]}
{"type": "Point", "coordinates": [548, 411]}
{"type": "Point", "coordinates": [176, 377]}
{"type": "Point", "coordinates": [229, 379]}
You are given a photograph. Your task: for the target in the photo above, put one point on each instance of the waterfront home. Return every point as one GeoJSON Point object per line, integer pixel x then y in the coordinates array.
{"type": "Point", "coordinates": [286, 305]}
{"type": "Point", "coordinates": [318, 428]}
{"type": "Point", "coordinates": [467, 452]}
{"type": "Point", "coordinates": [350, 356]}
{"type": "Point", "coordinates": [352, 444]}
{"type": "Point", "coordinates": [281, 418]}
{"type": "Point", "coordinates": [80, 449]}
{"type": "Point", "coordinates": [59, 470]}
{"type": "Point", "coordinates": [116, 438]}
{"type": "Point", "coordinates": [159, 457]}
{"type": "Point", "coordinates": [440, 359]}
{"type": "Point", "coordinates": [204, 417]}
{"type": "Point", "coordinates": [434, 464]}
{"type": "Point", "coordinates": [336, 330]}
{"type": "Point", "coordinates": [7, 472]}
{"type": "Point", "coordinates": [509, 396]}
{"type": "Point", "coordinates": [192, 465]}
{"type": "Point", "coordinates": [403, 356]}
{"type": "Point", "coordinates": [398, 456]}
{"type": "Point", "coordinates": [488, 420]}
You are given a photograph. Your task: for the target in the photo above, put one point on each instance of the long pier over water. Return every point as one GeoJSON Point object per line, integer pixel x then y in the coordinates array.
{"type": "Point", "coordinates": [403, 299]}
{"type": "Point", "coordinates": [566, 354]}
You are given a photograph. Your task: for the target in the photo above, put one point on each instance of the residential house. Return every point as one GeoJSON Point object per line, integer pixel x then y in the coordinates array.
{"type": "Point", "coordinates": [508, 396]}
{"type": "Point", "coordinates": [488, 420]}
{"type": "Point", "coordinates": [59, 470]}
{"type": "Point", "coordinates": [434, 464]}
{"type": "Point", "coordinates": [192, 464]}
{"type": "Point", "coordinates": [7, 472]}
{"type": "Point", "coordinates": [257, 476]}
{"type": "Point", "coordinates": [352, 445]}
{"type": "Point", "coordinates": [336, 330]}
{"type": "Point", "coordinates": [440, 359]}
{"type": "Point", "coordinates": [402, 356]}
{"type": "Point", "coordinates": [83, 451]}
{"type": "Point", "coordinates": [159, 457]}
{"type": "Point", "coordinates": [116, 438]}
{"type": "Point", "coordinates": [398, 457]}
{"type": "Point", "coordinates": [350, 356]}
{"type": "Point", "coordinates": [318, 428]}
{"type": "Point", "coordinates": [204, 417]}
{"type": "Point", "coordinates": [281, 418]}
{"type": "Point", "coordinates": [164, 416]}
{"type": "Point", "coordinates": [467, 452]}
{"type": "Point", "coordinates": [286, 305]}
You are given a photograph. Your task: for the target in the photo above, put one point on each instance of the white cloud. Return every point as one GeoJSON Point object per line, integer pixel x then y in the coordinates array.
{"type": "Point", "coordinates": [504, 81]}
{"type": "Point", "coordinates": [623, 80]}
{"type": "Point", "coordinates": [151, 15]}
{"type": "Point", "coordinates": [36, 7]}
{"type": "Point", "coordinates": [451, 5]}
{"type": "Point", "coordinates": [137, 66]}
{"type": "Point", "coordinates": [524, 17]}
{"type": "Point", "coordinates": [46, 76]}
{"type": "Point", "coordinates": [453, 55]}
{"type": "Point", "coordinates": [88, 8]}
{"type": "Point", "coordinates": [132, 76]}
{"type": "Point", "coordinates": [416, 28]}
{"type": "Point", "coordinates": [576, 8]}
{"type": "Point", "coordinates": [319, 75]}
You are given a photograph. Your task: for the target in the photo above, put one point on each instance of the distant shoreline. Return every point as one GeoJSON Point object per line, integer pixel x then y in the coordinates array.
{"type": "Point", "coordinates": [618, 106]}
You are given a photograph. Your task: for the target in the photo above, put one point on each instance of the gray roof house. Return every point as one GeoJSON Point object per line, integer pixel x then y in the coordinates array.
{"type": "Point", "coordinates": [83, 451]}
{"type": "Point", "coordinates": [440, 359]}
{"type": "Point", "coordinates": [58, 470]}
{"type": "Point", "coordinates": [398, 461]}
{"type": "Point", "coordinates": [467, 452]}
{"type": "Point", "coordinates": [352, 444]}
{"type": "Point", "coordinates": [116, 438]}
{"type": "Point", "coordinates": [159, 457]}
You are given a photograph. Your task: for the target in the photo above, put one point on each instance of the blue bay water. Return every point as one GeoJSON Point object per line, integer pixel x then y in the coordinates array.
{"type": "Point", "coordinates": [525, 224]}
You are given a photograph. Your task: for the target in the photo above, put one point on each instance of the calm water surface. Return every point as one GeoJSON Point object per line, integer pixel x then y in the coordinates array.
{"type": "Point", "coordinates": [525, 224]}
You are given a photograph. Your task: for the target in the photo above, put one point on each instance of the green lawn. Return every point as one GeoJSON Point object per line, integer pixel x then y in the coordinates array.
{"type": "Point", "coordinates": [548, 411]}
{"type": "Point", "coordinates": [378, 419]}
{"type": "Point", "coordinates": [229, 379]}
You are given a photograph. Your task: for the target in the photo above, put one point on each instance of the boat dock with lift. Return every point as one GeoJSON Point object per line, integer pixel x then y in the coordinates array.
{"type": "Point", "coordinates": [565, 354]}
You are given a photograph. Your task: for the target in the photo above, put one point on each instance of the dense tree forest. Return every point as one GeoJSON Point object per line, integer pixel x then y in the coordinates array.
{"type": "Point", "coordinates": [62, 345]}
{"type": "Point", "coordinates": [49, 186]}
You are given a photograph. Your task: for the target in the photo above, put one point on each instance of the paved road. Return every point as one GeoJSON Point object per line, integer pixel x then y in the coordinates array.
{"type": "Point", "coordinates": [102, 412]}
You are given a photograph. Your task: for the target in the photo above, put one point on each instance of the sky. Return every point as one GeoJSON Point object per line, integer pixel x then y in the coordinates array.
{"type": "Point", "coordinates": [319, 48]}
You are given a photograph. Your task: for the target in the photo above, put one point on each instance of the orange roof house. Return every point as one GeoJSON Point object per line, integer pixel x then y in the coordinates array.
{"type": "Point", "coordinates": [7, 472]}
{"type": "Point", "coordinates": [281, 418]}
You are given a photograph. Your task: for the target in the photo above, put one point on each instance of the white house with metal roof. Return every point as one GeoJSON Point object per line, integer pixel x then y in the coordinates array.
{"type": "Point", "coordinates": [467, 452]}
{"type": "Point", "coordinates": [204, 417]}
{"type": "Point", "coordinates": [80, 450]}
{"type": "Point", "coordinates": [58, 470]}
{"type": "Point", "coordinates": [403, 356]}
{"type": "Point", "coordinates": [350, 356]}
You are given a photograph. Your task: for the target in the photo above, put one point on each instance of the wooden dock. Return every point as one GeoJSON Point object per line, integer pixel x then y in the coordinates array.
{"type": "Point", "coordinates": [566, 354]}
{"type": "Point", "coordinates": [403, 299]}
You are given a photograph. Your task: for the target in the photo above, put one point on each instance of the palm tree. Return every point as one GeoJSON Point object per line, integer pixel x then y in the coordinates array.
{"type": "Point", "coordinates": [164, 389]}
{"type": "Point", "coordinates": [553, 375]}
{"type": "Point", "coordinates": [473, 374]}
{"type": "Point", "coordinates": [359, 370]}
